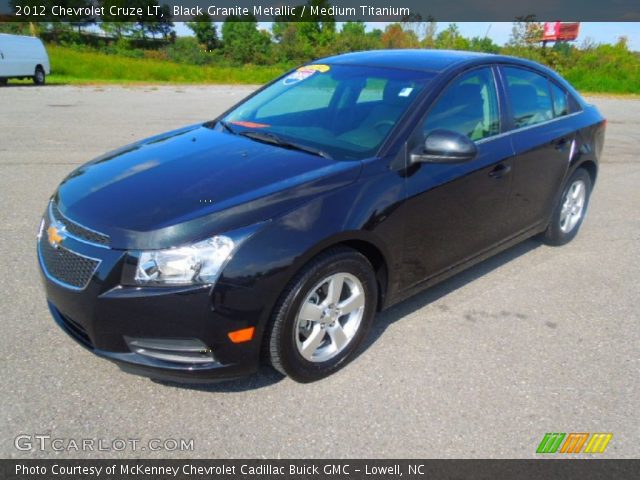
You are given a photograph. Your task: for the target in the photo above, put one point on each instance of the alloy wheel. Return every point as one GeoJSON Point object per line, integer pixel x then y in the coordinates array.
{"type": "Point", "coordinates": [573, 206]}
{"type": "Point", "coordinates": [329, 317]}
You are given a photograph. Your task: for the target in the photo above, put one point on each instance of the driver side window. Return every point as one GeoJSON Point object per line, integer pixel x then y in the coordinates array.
{"type": "Point", "coordinates": [469, 106]}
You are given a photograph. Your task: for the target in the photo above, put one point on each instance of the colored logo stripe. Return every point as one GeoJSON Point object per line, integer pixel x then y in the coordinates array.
{"type": "Point", "coordinates": [574, 442]}
{"type": "Point", "coordinates": [598, 443]}
{"type": "Point", "coordinates": [550, 443]}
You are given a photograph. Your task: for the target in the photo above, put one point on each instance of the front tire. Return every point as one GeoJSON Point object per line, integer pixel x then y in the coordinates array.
{"type": "Point", "coordinates": [570, 210]}
{"type": "Point", "coordinates": [323, 316]}
{"type": "Point", "coordinates": [39, 77]}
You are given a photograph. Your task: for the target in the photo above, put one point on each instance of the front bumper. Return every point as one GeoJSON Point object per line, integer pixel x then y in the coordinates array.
{"type": "Point", "coordinates": [102, 314]}
{"type": "Point", "coordinates": [137, 364]}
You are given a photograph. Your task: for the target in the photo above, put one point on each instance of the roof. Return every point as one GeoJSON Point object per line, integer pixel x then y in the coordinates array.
{"type": "Point", "coordinates": [425, 60]}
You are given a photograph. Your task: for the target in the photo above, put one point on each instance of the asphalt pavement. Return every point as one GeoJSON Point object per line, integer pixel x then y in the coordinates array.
{"type": "Point", "coordinates": [535, 340]}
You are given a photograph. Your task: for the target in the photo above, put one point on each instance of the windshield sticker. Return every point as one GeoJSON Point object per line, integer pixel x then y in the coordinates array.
{"type": "Point", "coordinates": [303, 73]}
{"type": "Point", "coordinates": [405, 92]}
{"type": "Point", "coordinates": [249, 124]}
{"type": "Point", "coordinates": [298, 76]}
{"type": "Point", "coordinates": [318, 68]}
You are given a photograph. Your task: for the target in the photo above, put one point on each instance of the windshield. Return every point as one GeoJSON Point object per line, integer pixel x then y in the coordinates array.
{"type": "Point", "coordinates": [340, 111]}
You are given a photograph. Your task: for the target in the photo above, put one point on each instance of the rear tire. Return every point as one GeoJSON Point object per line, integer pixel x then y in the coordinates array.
{"type": "Point", "coordinates": [323, 316]}
{"type": "Point", "coordinates": [570, 210]}
{"type": "Point", "coordinates": [39, 77]}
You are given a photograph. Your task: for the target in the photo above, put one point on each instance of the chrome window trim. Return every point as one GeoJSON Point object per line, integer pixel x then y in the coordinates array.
{"type": "Point", "coordinates": [528, 127]}
{"type": "Point", "coordinates": [75, 237]}
{"type": "Point", "coordinates": [59, 282]}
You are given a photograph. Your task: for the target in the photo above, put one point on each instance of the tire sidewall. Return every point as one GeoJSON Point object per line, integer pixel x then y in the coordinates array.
{"type": "Point", "coordinates": [39, 77]}
{"type": "Point", "coordinates": [296, 366]}
{"type": "Point", "coordinates": [555, 235]}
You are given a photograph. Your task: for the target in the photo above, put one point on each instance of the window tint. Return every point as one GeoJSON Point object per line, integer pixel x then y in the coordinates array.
{"type": "Point", "coordinates": [469, 106]}
{"type": "Point", "coordinates": [313, 94]}
{"type": "Point", "coordinates": [373, 90]}
{"type": "Point", "coordinates": [560, 103]}
{"type": "Point", "coordinates": [344, 110]}
{"type": "Point", "coordinates": [529, 95]}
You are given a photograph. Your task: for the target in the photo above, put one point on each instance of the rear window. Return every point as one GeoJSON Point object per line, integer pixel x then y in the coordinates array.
{"type": "Point", "coordinates": [529, 96]}
{"type": "Point", "coordinates": [560, 100]}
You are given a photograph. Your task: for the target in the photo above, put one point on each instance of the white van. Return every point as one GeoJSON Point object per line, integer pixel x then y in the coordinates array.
{"type": "Point", "coordinates": [23, 57]}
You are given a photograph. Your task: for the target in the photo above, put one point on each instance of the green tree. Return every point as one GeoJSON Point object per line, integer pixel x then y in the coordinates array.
{"type": "Point", "coordinates": [154, 19]}
{"type": "Point", "coordinates": [424, 29]}
{"type": "Point", "coordinates": [293, 45]}
{"type": "Point", "coordinates": [394, 36]}
{"type": "Point", "coordinates": [161, 23]}
{"type": "Point", "coordinates": [483, 44]}
{"type": "Point", "coordinates": [314, 30]}
{"type": "Point", "coordinates": [116, 25]}
{"type": "Point", "coordinates": [353, 37]}
{"type": "Point", "coordinates": [205, 31]}
{"type": "Point", "coordinates": [525, 31]}
{"type": "Point", "coordinates": [15, 28]}
{"type": "Point", "coordinates": [429, 39]}
{"type": "Point", "coordinates": [243, 42]}
{"type": "Point", "coordinates": [452, 39]}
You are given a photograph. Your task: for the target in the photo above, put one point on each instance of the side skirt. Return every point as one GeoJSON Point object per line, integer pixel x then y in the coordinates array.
{"type": "Point", "coordinates": [450, 272]}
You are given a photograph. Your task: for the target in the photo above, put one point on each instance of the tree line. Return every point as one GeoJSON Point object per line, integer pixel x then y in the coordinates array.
{"type": "Point", "coordinates": [242, 41]}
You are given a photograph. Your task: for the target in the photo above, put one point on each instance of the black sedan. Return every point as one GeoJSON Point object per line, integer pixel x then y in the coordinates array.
{"type": "Point", "coordinates": [276, 231]}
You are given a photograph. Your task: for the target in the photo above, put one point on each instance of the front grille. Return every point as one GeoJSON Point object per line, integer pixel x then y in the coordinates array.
{"type": "Point", "coordinates": [67, 267]}
{"type": "Point", "coordinates": [76, 330]}
{"type": "Point", "coordinates": [78, 231]}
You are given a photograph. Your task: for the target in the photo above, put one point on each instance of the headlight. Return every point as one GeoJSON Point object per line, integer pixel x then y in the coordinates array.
{"type": "Point", "coordinates": [199, 263]}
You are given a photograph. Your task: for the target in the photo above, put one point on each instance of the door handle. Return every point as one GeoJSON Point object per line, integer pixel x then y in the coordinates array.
{"type": "Point", "coordinates": [500, 171]}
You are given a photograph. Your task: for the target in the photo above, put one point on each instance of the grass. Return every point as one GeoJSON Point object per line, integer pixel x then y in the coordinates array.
{"type": "Point", "coordinates": [608, 70]}
{"type": "Point", "coordinates": [75, 67]}
{"type": "Point", "coordinates": [619, 82]}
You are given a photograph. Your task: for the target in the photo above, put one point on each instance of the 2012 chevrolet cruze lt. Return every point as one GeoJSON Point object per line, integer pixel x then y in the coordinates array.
{"type": "Point", "coordinates": [277, 230]}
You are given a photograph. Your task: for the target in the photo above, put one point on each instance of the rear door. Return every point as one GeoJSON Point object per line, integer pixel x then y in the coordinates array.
{"type": "Point", "coordinates": [543, 141]}
{"type": "Point", "coordinates": [456, 211]}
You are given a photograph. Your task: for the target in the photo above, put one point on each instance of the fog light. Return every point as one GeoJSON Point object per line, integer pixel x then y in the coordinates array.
{"type": "Point", "coordinates": [178, 350]}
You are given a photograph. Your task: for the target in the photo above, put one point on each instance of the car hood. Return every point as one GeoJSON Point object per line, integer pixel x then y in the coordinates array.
{"type": "Point", "coordinates": [192, 183]}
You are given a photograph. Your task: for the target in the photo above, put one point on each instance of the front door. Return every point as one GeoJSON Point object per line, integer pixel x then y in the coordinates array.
{"type": "Point", "coordinates": [454, 212]}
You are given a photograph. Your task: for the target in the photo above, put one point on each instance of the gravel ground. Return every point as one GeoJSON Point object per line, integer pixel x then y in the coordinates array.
{"type": "Point", "coordinates": [535, 340]}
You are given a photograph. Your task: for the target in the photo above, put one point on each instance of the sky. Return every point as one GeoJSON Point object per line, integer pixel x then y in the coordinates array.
{"type": "Point", "coordinates": [599, 32]}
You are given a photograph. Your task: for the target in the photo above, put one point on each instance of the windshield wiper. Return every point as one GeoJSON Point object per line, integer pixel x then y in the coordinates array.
{"type": "Point", "coordinates": [224, 124]}
{"type": "Point", "coordinates": [273, 139]}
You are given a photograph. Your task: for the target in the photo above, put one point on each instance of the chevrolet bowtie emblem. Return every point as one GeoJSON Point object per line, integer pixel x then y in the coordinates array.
{"type": "Point", "coordinates": [55, 234]}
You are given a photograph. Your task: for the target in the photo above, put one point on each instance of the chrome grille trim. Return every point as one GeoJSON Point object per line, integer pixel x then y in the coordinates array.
{"type": "Point", "coordinates": [50, 276]}
{"type": "Point", "coordinates": [76, 231]}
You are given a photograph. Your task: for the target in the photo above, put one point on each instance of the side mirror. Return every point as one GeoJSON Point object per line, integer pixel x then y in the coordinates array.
{"type": "Point", "coordinates": [445, 146]}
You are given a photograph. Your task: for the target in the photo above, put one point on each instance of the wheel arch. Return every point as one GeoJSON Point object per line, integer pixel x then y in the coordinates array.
{"type": "Point", "coordinates": [591, 168]}
{"type": "Point", "coordinates": [367, 245]}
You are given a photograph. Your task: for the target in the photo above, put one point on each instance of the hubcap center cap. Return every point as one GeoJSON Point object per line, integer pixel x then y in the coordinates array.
{"type": "Point", "coordinates": [330, 314]}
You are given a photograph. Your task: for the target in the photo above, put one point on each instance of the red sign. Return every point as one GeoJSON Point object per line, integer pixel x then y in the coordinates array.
{"type": "Point", "coordinates": [558, 31]}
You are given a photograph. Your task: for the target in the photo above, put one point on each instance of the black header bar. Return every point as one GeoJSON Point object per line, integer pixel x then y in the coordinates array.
{"type": "Point", "coordinates": [318, 469]}
{"type": "Point", "coordinates": [321, 10]}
